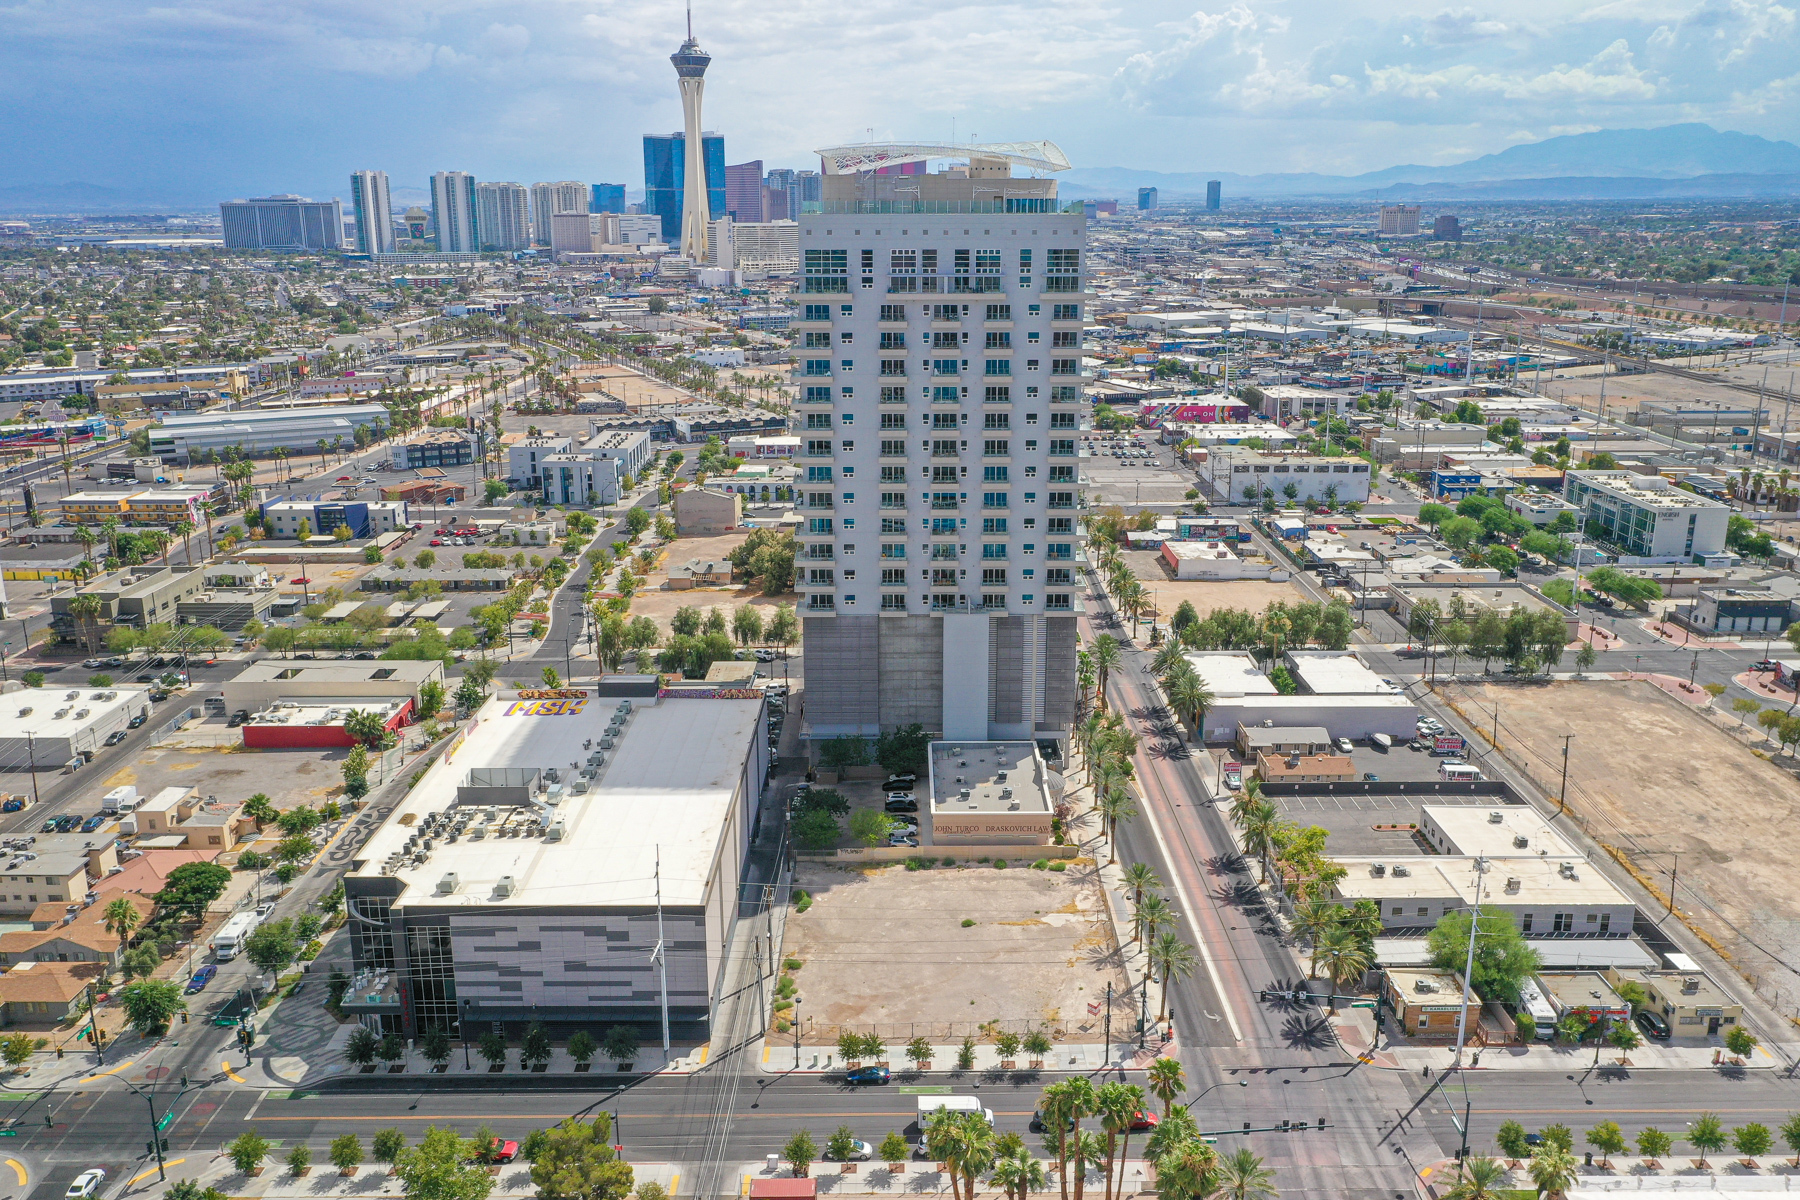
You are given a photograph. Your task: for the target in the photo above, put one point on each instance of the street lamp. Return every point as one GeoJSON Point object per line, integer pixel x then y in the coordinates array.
{"type": "Point", "coordinates": [156, 1139]}
{"type": "Point", "coordinates": [462, 1027]}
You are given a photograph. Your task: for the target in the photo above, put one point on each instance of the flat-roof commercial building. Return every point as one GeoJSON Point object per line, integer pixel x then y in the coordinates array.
{"type": "Point", "coordinates": [1739, 610]}
{"type": "Point", "coordinates": [1429, 1004]}
{"type": "Point", "coordinates": [136, 596]}
{"type": "Point", "coordinates": [1504, 830]}
{"type": "Point", "coordinates": [273, 680]}
{"type": "Point", "coordinates": [990, 793]}
{"type": "Point", "coordinates": [149, 506]}
{"type": "Point", "coordinates": [1353, 716]}
{"type": "Point", "coordinates": [1335, 673]}
{"type": "Point", "coordinates": [366, 518]}
{"type": "Point", "coordinates": [519, 879]}
{"type": "Point", "coordinates": [258, 431]}
{"type": "Point", "coordinates": [1692, 1004]}
{"type": "Point", "coordinates": [1237, 472]}
{"type": "Point", "coordinates": [290, 725]}
{"type": "Point", "coordinates": [1229, 673]}
{"type": "Point", "coordinates": [1548, 897]}
{"type": "Point", "coordinates": [284, 222]}
{"type": "Point", "coordinates": [1647, 515]}
{"type": "Point", "coordinates": [48, 726]}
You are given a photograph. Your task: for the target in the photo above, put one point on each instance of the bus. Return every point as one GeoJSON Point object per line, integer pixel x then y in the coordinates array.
{"type": "Point", "coordinates": [1458, 772]}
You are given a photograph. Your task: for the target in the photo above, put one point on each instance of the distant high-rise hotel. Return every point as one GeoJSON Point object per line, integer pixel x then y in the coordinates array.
{"type": "Point", "coordinates": [607, 198]}
{"type": "Point", "coordinates": [548, 199]}
{"type": "Point", "coordinates": [744, 191]}
{"type": "Point", "coordinates": [503, 216]}
{"type": "Point", "coordinates": [374, 213]}
{"type": "Point", "coordinates": [940, 403]}
{"type": "Point", "coordinates": [665, 178]}
{"type": "Point", "coordinates": [1446, 228]}
{"type": "Point", "coordinates": [1400, 220]}
{"type": "Point", "coordinates": [1146, 199]}
{"type": "Point", "coordinates": [284, 222]}
{"type": "Point", "coordinates": [1213, 190]}
{"type": "Point", "coordinates": [453, 212]}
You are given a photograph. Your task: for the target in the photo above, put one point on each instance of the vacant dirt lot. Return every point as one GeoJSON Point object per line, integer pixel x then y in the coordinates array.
{"type": "Point", "coordinates": [659, 604]}
{"type": "Point", "coordinates": [885, 950]}
{"type": "Point", "coordinates": [1654, 778]}
{"type": "Point", "coordinates": [1252, 594]}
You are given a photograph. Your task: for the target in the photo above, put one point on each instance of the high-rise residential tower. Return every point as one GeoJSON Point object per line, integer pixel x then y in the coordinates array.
{"type": "Point", "coordinates": [690, 70]}
{"type": "Point", "coordinates": [282, 222]}
{"type": "Point", "coordinates": [374, 214]}
{"type": "Point", "coordinates": [1214, 188]}
{"type": "Point", "coordinates": [503, 215]}
{"type": "Point", "coordinates": [548, 199]}
{"type": "Point", "coordinates": [744, 191]}
{"type": "Point", "coordinates": [453, 212]}
{"type": "Point", "coordinates": [940, 410]}
{"type": "Point", "coordinates": [1146, 199]}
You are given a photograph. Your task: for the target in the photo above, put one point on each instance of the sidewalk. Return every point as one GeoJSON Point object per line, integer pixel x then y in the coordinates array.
{"type": "Point", "coordinates": [213, 1169]}
{"type": "Point", "coordinates": [918, 1177]}
{"type": "Point", "coordinates": [781, 1057]}
{"type": "Point", "coordinates": [1355, 1028]}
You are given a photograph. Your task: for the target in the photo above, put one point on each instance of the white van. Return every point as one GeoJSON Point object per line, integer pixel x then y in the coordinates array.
{"type": "Point", "coordinates": [931, 1104]}
{"type": "Point", "coordinates": [1458, 772]}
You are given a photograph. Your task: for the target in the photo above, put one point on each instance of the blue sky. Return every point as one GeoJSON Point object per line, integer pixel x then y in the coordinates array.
{"type": "Point", "coordinates": [215, 98]}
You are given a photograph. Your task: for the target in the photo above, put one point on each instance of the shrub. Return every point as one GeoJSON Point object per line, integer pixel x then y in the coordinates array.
{"type": "Point", "coordinates": [1059, 865]}
{"type": "Point", "coordinates": [299, 1158]}
{"type": "Point", "coordinates": [792, 964]}
{"type": "Point", "coordinates": [916, 863]}
{"type": "Point", "coordinates": [388, 1145]}
{"type": "Point", "coordinates": [968, 922]}
{"type": "Point", "coordinates": [1042, 864]}
{"type": "Point", "coordinates": [965, 1055]}
{"type": "Point", "coordinates": [949, 862]}
{"type": "Point", "coordinates": [999, 864]}
{"type": "Point", "coordinates": [802, 900]}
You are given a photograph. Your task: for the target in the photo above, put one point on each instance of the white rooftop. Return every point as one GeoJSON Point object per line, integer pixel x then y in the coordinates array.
{"type": "Point", "coordinates": [666, 786]}
{"type": "Point", "coordinates": [1334, 673]}
{"type": "Point", "coordinates": [1231, 674]}
{"type": "Point", "coordinates": [60, 712]}
{"type": "Point", "coordinates": [1468, 829]}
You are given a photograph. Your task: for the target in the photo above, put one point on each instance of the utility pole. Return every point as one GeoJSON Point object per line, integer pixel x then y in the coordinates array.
{"type": "Point", "coordinates": [1674, 874]}
{"type": "Point", "coordinates": [660, 957]}
{"type": "Point", "coordinates": [1462, 1016]}
{"type": "Point", "coordinates": [1562, 792]}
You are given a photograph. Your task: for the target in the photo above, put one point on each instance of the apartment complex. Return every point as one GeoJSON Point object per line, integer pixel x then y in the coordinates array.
{"type": "Point", "coordinates": [453, 212]}
{"type": "Point", "coordinates": [503, 215]}
{"type": "Point", "coordinates": [564, 196]}
{"type": "Point", "coordinates": [1648, 515]}
{"type": "Point", "coordinates": [941, 407]}
{"type": "Point", "coordinates": [282, 223]}
{"type": "Point", "coordinates": [168, 505]}
{"type": "Point", "coordinates": [374, 212]}
{"type": "Point", "coordinates": [1399, 220]}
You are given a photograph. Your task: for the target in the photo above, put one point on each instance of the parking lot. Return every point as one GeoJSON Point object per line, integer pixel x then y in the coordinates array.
{"type": "Point", "coordinates": [1361, 825]}
{"type": "Point", "coordinates": [1131, 469]}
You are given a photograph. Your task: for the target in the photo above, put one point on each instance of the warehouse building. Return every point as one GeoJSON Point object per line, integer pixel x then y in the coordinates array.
{"type": "Point", "coordinates": [48, 727]}
{"type": "Point", "coordinates": [257, 431]}
{"type": "Point", "coordinates": [272, 681]}
{"type": "Point", "coordinates": [531, 871]}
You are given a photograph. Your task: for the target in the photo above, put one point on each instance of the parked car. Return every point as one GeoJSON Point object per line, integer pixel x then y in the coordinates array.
{"type": "Point", "coordinates": [49, 825]}
{"type": "Point", "coordinates": [1371, 777]}
{"type": "Point", "coordinates": [150, 678]}
{"type": "Point", "coordinates": [505, 1151]}
{"type": "Point", "coordinates": [900, 783]}
{"type": "Point", "coordinates": [1767, 664]}
{"type": "Point", "coordinates": [93, 664]}
{"type": "Point", "coordinates": [114, 738]}
{"type": "Point", "coordinates": [899, 796]}
{"type": "Point", "coordinates": [859, 1152]}
{"type": "Point", "coordinates": [867, 1075]}
{"type": "Point", "coordinates": [1652, 1024]}
{"type": "Point", "coordinates": [906, 804]}
{"type": "Point", "coordinates": [135, 721]}
{"type": "Point", "coordinates": [902, 839]}
{"type": "Point", "coordinates": [1143, 1119]}
{"type": "Point", "coordinates": [94, 822]}
{"type": "Point", "coordinates": [237, 718]}
{"type": "Point", "coordinates": [201, 978]}
{"type": "Point", "coordinates": [1343, 745]}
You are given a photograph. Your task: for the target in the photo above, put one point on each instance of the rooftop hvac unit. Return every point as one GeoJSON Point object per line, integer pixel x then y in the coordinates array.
{"type": "Point", "coordinates": [1378, 870]}
{"type": "Point", "coordinates": [1495, 818]}
{"type": "Point", "coordinates": [61, 713]}
{"type": "Point", "coordinates": [625, 707]}
{"type": "Point", "coordinates": [578, 788]}
{"type": "Point", "coordinates": [1512, 883]}
{"type": "Point", "coordinates": [504, 887]}
{"type": "Point", "coordinates": [1690, 986]}
{"type": "Point", "coordinates": [606, 741]}
{"type": "Point", "coordinates": [1424, 985]}
{"type": "Point", "coordinates": [448, 884]}
{"type": "Point", "coordinates": [1520, 842]}
{"type": "Point", "coordinates": [1401, 872]}
{"type": "Point", "coordinates": [555, 832]}
{"type": "Point", "coordinates": [26, 711]}
{"type": "Point", "coordinates": [72, 696]}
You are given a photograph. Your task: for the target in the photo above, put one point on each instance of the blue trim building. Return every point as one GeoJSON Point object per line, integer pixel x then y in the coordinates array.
{"type": "Point", "coordinates": [665, 174]}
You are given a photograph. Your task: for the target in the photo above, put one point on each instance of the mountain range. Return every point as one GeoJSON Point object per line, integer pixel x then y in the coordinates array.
{"type": "Point", "coordinates": [1672, 161]}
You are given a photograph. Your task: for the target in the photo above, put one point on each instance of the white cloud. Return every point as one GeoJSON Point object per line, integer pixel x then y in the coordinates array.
{"type": "Point", "coordinates": [506, 41]}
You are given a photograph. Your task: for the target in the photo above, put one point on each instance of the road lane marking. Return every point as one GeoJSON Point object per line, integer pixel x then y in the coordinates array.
{"type": "Point", "coordinates": [231, 1074]}
{"type": "Point", "coordinates": [558, 1116]}
{"type": "Point", "coordinates": [114, 1071]}
{"type": "Point", "coordinates": [173, 1162]}
{"type": "Point", "coordinates": [18, 1169]}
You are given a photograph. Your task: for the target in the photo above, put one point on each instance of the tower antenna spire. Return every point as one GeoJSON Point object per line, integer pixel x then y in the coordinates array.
{"type": "Point", "coordinates": [690, 17]}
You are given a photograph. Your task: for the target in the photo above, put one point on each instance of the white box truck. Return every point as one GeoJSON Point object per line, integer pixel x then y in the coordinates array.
{"type": "Point", "coordinates": [117, 800]}
{"type": "Point", "coordinates": [228, 943]}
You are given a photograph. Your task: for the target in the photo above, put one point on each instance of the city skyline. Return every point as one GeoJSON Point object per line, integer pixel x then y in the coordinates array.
{"type": "Point", "coordinates": [1218, 88]}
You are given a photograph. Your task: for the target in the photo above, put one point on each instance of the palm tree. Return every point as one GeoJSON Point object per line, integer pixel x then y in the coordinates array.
{"type": "Point", "coordinates": [1141, 878]}
{"type": "Point", "coordinates": [1054, 1110]}
{"type": "Point", "coordinates": [1166, 1080]}
{"type": "Point", "coordinates": [121, 918]}
{"type": "Point", "coordinates": [1017, 1173]}
{"type": "Point", "coordinates": [1186, 1170]}
{"type": "Point", "coordinates": [1083, 1101]}
{"type": "Point", "coordinates": [184, 529]}
{"type": "Point", "coordinates": [1242, 1176]}
{"type": "Point", "coordinates": [1168, 659]}
{"type": "Point", "coordinates": [1481, 1180]}
{"type": "Point", "coordinates": [1344, 957]}
{"type": "Point", "coordinates": [1189, 694]}
{"type": "Point", "coordinates": [1104, 650]}
{"type": "Point", "coordinates": [1553, 1170]}
{"type": "Point", "coordinates": [1149, 917]}
{"type": "Point", "coordinates": [86, 609]}
{"type": "Point", "coordinates": [1312, 920]}
{"type": "Point", "coordinates": [1118, 1105]}
{"type": "Point", "coordinates": [970, 1150]}
{"type": "Point", "coordinates": [1115, 805]}
{"type": "Point", "coordinates": [1171, 958]}
{"type": "Point", "coordinates": [1260, 826]}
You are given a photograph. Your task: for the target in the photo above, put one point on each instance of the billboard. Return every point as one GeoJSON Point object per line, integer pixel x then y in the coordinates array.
{"type": "Point", "coordinates": [1448, 743]}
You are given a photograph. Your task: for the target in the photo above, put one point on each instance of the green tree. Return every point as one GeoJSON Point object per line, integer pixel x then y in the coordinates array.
{"type": "Point", "coordinates": [17, 1048]}
{"type": "Point", "coordinates": [438, 1169]}
{"type": "Point", "coordinates": [388, 1144]}
{"type": "Point", "coordinates": [576, 1162]}
{"type": "Point", "coordinates": [356, 772]}
{"type": "Point", "coordinates": [1752, 1140]}
{"type": "Point", "coordinates": [346, 1153]}
{"type": "Point", "coordinates": [1654, 1144]}
{"type": "Point", "coordinates": [1740, 1041]}
{"type": "Point", "coordinates": [1502, 958]}
{"type": "Point", "coordinates": [1707, 1135]}
{"type": "Point", "coordinates": [190, 888]}
{"type": "Point", "coordinates": [150, 1004]}
{"type": "Point", "coordinates": [1608, 1140]}
{"type": "Point", "coordinates": [1553, 1170]}
{"type": "Point", "coordinates": [121, 917]}
{"type": "Point", "coordinates": [841, 753]}
{"type": "Point", "coordinates": [1242, 1176]}
{"type": "Point", "coordinates": [247, 1151]}
{"type": "Point", "coordinates": [870, 826]}
{"type": "Point", "coordinates": [800, 1152]}
{"type": "Point", "coordinates": [1482, 1179]}
{"type": "Point", "coordinates": [902, 751]}
{"type": "Point", "coordinates": [492, 1046]}
{"type": "Point", "coordinates": [431, 699]}
{"type": "Point", "coordinates": [273, 946]}
{"type": "Point", "coordinates": [300, 1157]}
{"type": "Point", "coordinates": [893, 1149]}
{"type": "Point", "coordinates": [1166, 1080]}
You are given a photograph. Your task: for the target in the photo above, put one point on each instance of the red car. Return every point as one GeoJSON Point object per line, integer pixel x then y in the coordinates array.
{"type": "Point", "coordinates": [343, 479]}
{"type": "Point", "coordinates": [1142, 1120]}
{"type": "Point", "coordinates": [437, 541]}
{"type": "Point", "coordinates": [505, 1151]}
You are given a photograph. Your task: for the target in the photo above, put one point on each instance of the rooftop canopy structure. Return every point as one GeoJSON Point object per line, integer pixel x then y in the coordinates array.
{"type": "Point", "coordinates": [869, 156]}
